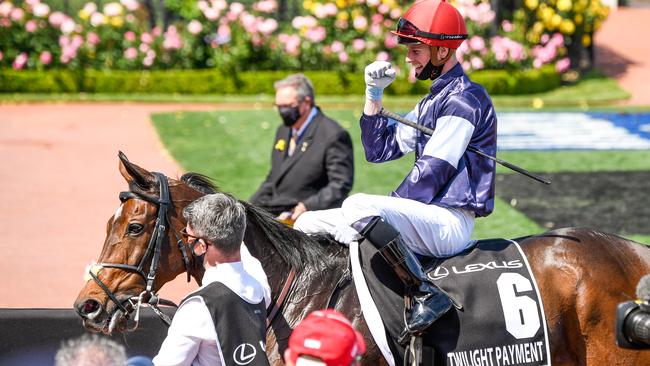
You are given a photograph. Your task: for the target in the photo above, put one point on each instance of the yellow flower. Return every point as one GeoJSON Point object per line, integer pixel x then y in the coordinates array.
{"type": "Point", "coordinates": [531, 4]}
{"type": "Point", "coordinates": [538, 103]}
{"type": "Point", "coordinates": [343, 15]}
{"type": "Point", "coordinates": [83, 14]}
{"type": "Point", "coordinates": [117, 22]}
{"type": "Point", "coordinates": [564, 5]}
{"type": "Point", "coordinates": [341, 4]}
{"type": "Point", "coordinates": [307, 4]}
{"type": "Point", "coordinates": [280, 145]}
{"type": "Point", "coordinates": [586, 40]}
{"type": "Point", "coordinates": [578, 19]}
{"type": "Point", "coordinates": [567, 27]}
{"type": "Point", "coordinates": [556, 20]}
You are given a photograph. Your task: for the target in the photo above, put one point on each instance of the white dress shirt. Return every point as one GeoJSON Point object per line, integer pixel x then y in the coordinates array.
{"type": "Point", "coordinates": [192, 338]}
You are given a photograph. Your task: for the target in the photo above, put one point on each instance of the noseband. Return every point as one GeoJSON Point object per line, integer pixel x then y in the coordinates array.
{"type": "Point", "coordinates": [153, 251]}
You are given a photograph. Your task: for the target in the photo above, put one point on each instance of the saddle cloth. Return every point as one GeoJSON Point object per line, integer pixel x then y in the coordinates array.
{"type": "Point", "coordinates": [501, 322]}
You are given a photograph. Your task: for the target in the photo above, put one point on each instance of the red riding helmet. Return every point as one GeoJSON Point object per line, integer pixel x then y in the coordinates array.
{"type": "Point", "coordinates": [432, 22]}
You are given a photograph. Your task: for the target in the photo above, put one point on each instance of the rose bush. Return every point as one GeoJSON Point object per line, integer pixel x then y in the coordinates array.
{"type": "Point", "coordinates": [342, 35]}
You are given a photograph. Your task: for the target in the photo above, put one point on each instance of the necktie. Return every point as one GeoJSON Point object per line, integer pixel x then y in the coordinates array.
{"type": "Point", "coordinates": [292, 144]}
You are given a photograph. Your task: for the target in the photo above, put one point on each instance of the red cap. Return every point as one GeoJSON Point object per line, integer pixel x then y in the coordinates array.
{"type": "Point", "coordinates": [432, 22]}
{"type": "Point", "coordinates": [328, 336]}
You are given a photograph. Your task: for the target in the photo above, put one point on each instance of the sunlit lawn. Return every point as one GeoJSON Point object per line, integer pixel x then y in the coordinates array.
{"type": "Point", "coordinates": [234, 148]}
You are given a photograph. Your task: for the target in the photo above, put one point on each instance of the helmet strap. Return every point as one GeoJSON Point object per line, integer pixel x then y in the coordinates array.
{"type": "Point", "coordinates": [432, 70]}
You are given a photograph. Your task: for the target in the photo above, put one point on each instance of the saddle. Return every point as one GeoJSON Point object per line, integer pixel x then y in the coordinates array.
{"type": "Point", "coordinates": [501, 319]}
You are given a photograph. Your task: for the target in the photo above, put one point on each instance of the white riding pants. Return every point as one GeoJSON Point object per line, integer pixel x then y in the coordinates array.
{"type": "Point", "coordinates": [427, 229]}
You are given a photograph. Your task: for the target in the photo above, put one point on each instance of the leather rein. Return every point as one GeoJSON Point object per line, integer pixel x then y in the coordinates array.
{"type": "Point", "coordinates": [154, 250]}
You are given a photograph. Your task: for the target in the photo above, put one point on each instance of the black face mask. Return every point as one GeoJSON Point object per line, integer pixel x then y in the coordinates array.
{"type": "Point", "coordinates": [289, 115]}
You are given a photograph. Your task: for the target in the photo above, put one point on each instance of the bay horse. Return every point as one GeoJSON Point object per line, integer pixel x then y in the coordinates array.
{"type": "Point", "coordinates": [582, 274]}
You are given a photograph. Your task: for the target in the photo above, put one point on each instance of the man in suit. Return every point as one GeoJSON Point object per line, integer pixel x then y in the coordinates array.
{"type": "Point", "coordinates": [312, 165]}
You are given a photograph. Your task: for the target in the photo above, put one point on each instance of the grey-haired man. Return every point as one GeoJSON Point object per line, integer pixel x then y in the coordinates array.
{"type": "Point", "coordinates": [225, 319]}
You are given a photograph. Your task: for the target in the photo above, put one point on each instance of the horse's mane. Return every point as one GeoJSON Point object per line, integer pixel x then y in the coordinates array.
{"type": "Point", "coordinates": [295, 247]}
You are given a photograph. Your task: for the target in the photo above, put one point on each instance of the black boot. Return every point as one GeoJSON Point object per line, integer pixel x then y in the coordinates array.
{"type": "Point", "coordinates": [428, 302]}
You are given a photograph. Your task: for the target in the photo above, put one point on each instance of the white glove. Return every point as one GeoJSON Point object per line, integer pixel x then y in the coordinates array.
{"type": "Point", "coordinates": [378, 76]}
{"type": "Point", "coordinates": [345, 234]}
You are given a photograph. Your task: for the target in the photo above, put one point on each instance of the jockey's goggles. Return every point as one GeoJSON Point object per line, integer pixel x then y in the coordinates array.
{"type": "Point", "coordinates": [408, 33]}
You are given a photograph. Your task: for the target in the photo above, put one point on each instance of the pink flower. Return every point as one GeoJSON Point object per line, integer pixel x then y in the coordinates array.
{"type": "Point", "coordinates": [146, 38]}
{"type": "Point", "coordinates": [90, 8]}
{"type": "Point", "coordinates": [17, 14]}
{"type": "Point", "coordinates": [544, 38]}
{"type": "Point", "coordinates": [31, 26]}
{"type": "Point", "coordinates": [358, 44]}
{"type": "Point", "coordinates": [374, 3]}
{"type": "Point", "coordinates": [130, 53]}
{"type": "Point", "coordinates": [172, 40]}
{"type": "Point", "coordinates": [20, 61]}
{"type": "Point", "coordinates": [316, 34]}
{"type": "Point", "coordinates": [466, 65]}
{"type": "Point", "coordinates": [41, 10]}
{"type": "Point", "coordinates": [194, 27]}
{"type": "Point", "coordinates": [360, 23]}
{"type": "Point", "coordinates": [219, 4]}
{"type": "Point", "coordinates": [265, 6]}
{"type": "Point", "coordinates": [341, 24]}
{"type": "Point", "coordinates": [268, 26]}
{"type": "Point", "coordinates": [477, 63]}
{"type": "Point", "coordinates": [45, 57]}
{"type": "Point", "coordinates": [144, 47]}
{"type": "Point", "coordinates": [377, 18]}
{"type": "Point", "coordinates": [96, 19]}
{"type": "Point", "coordinates": [156, 31]}
{"type": "Point", "coordinates": [5, 8]}
{"type": "Point", "coordinates": [376, 30]}
{"type": "Point", "coordinates": [68, 26]}
{"type": "Point", "coordinates": [1, 55]}
{"type": "Point", "coordinates": [562, 65]}
{"type": "Point", "coordinates": [337, 46]}
{"type": "Point", "coordinates": [292, 45]}
{"type": "Point", "coordinates": [343, 57]}
{"type": "Point", "coordinates": [129, 36]}
{"type": "Point", "coordinates": [130, 5]}
{"type": "Point", "coordinates": [112, 9]}
{"type": "Point", "coordinates": [383, 56]}
{"type": "Point", "coordinates": [390, 41]}
{"type": "Point", "coordinates": [236, 8]}
{"type": "Point", "coordinates": [92, 38]}
{"type": "Point", "coordinates": [537, 63]}
{"type": "Point", "coordinates": [476, 43]}
{"type": "Point", "coordinates": [383, 8]}
{"type": "Point", "coordinates": [507, 26]}
{"type": "Point", "coordinates": [306, 22]}
{"type": "Point", "coordinates": [211, 14]}
{"type": "Point", "coordinates": [395, 13]}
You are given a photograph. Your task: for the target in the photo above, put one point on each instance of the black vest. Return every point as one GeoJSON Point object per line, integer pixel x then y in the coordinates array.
{"type": "Point", "coordinates": [240, 326]}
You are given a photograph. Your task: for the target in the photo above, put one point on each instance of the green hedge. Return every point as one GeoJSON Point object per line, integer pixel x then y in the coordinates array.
{"type": "Point", "coordinates": [497, 82]}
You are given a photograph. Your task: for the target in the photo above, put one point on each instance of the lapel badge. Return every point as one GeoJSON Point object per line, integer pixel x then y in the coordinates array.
{"type": "Point", "coordinates": [304, 146]}
{"type": "Point", "coordinates": [280, 145]}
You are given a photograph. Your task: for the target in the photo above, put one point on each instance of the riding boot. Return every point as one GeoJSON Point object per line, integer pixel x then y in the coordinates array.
{"type": "Point", "coordinates": [428, 302]}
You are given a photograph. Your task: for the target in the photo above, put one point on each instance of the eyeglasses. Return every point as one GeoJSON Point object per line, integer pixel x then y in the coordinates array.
{"type": "Point", "coordinates": [192, 243]}
{"type": "Point", "coordinates": [406, 29]}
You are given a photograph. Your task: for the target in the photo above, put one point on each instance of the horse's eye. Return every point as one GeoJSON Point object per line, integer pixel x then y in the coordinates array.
{"type": "Point", "coordinates": [135, 228]}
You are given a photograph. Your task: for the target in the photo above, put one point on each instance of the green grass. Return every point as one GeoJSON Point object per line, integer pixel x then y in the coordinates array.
{"type": "Point", "coordinates": [234, 148]}
{"type": "Point", "coordinates": [593, 92]}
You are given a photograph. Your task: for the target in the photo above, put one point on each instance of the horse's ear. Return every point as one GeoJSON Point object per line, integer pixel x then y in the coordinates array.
{"type": "Point", "coordinates": [134, 174]}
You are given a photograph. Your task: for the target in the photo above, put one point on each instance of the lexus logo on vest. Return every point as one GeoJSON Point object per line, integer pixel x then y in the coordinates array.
{"type": "Point", "coordinates": [244, 354]}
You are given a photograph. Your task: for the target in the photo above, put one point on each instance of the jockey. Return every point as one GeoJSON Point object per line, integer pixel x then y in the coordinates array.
{"type": "Point", "coordinates": [435, 206]}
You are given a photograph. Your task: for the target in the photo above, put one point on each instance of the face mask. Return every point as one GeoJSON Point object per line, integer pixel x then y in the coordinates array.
{"type": "Point", "coordinates": [289, 115]}
{"type": "Point", "coordinates": [431, 71]}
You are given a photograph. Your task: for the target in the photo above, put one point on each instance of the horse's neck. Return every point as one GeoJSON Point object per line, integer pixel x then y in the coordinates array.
{"type": "Point", "coordinates": [276, 269]}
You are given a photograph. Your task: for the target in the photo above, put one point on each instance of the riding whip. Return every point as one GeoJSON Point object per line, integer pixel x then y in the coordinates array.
{"type": "Point", "coordinates": [429, 132]}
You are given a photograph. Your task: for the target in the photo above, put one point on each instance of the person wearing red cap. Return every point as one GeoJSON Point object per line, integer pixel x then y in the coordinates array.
{"type": "Point", "coordinates": [325, 337]}
{"type": "Point", "coordinates": [435, 205]}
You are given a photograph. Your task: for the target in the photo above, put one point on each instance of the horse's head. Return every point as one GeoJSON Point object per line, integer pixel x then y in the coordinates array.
{"type": "Point", "coordinates": [142, 250]}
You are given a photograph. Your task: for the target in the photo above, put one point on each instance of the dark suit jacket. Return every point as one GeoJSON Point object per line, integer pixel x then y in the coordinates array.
{"type": "Point", "coordinates": [319, 173]}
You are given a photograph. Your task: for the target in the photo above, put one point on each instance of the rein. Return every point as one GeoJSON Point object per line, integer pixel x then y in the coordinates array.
{"type": "Point", "coordinates": [277, 303]}
{"type": "Point", "coordinates": [153, 250]}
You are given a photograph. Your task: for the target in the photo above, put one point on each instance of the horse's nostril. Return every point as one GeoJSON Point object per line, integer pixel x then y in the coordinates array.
{"type": "Point", "coordinates": [89, 307]}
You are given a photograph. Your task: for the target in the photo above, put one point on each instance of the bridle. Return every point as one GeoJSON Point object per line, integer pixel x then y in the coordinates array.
{"type": "Point", "coordinates": [153, 251]}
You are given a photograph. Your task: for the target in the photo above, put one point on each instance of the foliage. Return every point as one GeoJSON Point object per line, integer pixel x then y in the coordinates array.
{"type": "Point", "coordinates": [342, 35]}
{"type": "Point", "coordinates": [206, 81]}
